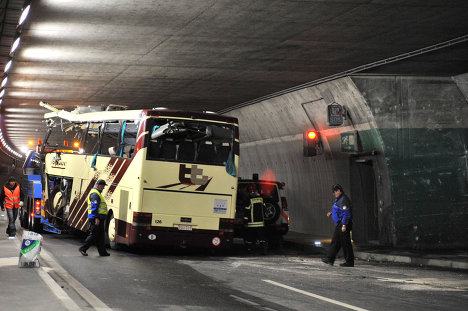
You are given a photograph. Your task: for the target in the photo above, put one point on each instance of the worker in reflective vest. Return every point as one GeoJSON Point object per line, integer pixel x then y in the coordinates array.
{"type": "Point", "coordinates": [254, 219]}
{"type": "Point", "coordinates": [11, 198]}
{"type": "Point", "coordinates": [97, 213]}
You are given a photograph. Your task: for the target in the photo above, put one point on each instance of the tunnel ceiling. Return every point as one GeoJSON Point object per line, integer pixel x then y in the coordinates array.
{"type": "Point", "coordinates": [208, 54]}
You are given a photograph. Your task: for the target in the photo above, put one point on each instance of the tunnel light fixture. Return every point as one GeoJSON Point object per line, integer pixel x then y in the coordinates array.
{"type": "Point", "coordinates": [4, 81]}
{"type": "Point", "coordinates": [8, 65]}
{"type": "Point", "coordinates": [24, 15]}
{"type": "Point", "coordinates": [5, 145]}
{"type": "Point", "coordinates": [15, 45]}
{"type": "Point", "coordinates": [1, 101]}
{"type": "Point", "coordinates": [2, 93]}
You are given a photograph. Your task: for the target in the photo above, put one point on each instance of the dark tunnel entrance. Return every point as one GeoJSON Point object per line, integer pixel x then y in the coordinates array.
{"type": "Point", "coordinates": [365, 202]}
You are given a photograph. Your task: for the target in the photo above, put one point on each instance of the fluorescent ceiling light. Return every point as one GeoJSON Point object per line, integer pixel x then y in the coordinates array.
{"type": "Point", "coordinates": [4, 81]}
{"type": "Point", "coordinates": [23, 116]}
{"type": "Point", "coordinates": [2, 93]}
{"type": "Point", "coordinates": [8, 65]}
{"type": "Point", "coordinates": [26, 110]}
{"type": "Point", "coordinates": [27, 94]}
{"type": "Point", "coordinates": [15, 45]}
{"type": "Point", "coordinates": [24, 15]}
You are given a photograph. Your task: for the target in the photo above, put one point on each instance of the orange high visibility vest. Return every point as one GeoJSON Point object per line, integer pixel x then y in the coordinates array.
{"type": "Point", "coordinates": [12, 199]}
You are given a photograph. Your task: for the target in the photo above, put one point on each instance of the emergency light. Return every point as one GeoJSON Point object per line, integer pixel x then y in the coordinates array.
{"type": "Point", "coordinates": [311, 143]}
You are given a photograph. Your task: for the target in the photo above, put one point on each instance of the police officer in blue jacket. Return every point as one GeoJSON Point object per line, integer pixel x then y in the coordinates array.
{"type": "Point", "coordinates": [97, 213]}
{"type": "Point", "coordinates": [342, 216]}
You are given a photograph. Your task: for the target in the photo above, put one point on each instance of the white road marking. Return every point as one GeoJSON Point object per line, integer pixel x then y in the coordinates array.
{"type": "Point", "coordinates": [67, 302]}
{"type": "Point", "coordinates": [10, 261]}
{"type": "Point", "coordinates": [95, 302]}
{"type": "Point", "coordinates": [43, 272]}
{"type": "Point", "coordinates": [58, 291]}
{"type": "Point", "coordinates": [315, 296]}
{"type": "Point", "coordinates": [248, 302]}
{"type": "Point", "coordinates": [251, 303]}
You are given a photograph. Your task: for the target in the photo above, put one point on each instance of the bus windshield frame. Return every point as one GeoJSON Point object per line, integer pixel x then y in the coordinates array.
{"type": "Point", "coordinates": [189, 141]}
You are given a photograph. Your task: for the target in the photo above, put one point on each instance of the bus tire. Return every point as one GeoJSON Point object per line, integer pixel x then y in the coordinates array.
{"type": "Point", "coordinates": [56, 202]}
{"type": "Point", "coordinates": [24, 216]}
{"type": "Point", "coordinates": [37, 226]}
{"type": "Point", "coordinates": [110, 233]}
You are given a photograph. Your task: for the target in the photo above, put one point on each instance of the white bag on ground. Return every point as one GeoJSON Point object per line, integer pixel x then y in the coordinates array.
{"type": "Point", "coordinates": [30, 249]}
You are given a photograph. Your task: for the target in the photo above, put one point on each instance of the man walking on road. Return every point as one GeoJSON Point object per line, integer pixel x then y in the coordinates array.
{"type": "Point", "coordinates": [342, 216]}
{"type": "Point", "coordinates": [11, 198]}
{"type": "Point", "coordinates": [97, 212]}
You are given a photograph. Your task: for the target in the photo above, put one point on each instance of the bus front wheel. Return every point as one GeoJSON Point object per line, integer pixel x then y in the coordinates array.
{"type": "Point", "coordinates": [110, 233]}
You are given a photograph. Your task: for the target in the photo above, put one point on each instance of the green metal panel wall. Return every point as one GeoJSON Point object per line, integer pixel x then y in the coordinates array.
{"type": "Point", "coordinates": [423, 126]}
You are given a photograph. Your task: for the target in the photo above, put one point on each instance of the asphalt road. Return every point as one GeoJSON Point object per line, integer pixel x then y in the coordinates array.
{"type": "Point", "coordinates": [239, 280]}
{"type": "Point", "coordinates": [235, 280]}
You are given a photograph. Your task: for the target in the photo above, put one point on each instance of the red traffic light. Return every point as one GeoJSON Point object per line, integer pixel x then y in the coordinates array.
{"type": "Point", "coordinates": [311, 135]}
{"type": "Point", "coordinates": [311, 143]}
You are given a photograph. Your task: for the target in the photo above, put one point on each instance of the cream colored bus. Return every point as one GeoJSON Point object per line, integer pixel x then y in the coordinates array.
{"type": "Point", "coordinates": [171, 174]}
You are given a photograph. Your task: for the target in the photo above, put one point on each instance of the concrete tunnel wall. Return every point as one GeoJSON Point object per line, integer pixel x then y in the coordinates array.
{"type": "Point", "coordinates": [413, 133]}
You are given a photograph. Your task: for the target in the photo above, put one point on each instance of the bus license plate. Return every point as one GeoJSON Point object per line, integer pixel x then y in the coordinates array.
{"type": "Point", "coordinates": [185, 227]}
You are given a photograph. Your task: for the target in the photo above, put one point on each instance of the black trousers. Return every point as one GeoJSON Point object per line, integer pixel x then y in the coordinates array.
{"type": "Point", "coordinates": [95, 236]}
{"type": "Point", "coordinates": [341, 240]}
{"type": "Point", "coordinates": [254, 234]}
{"type": "Point", "coordinates": [12, 215]}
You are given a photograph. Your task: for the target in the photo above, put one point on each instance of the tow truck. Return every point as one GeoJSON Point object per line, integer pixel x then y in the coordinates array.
{"type": "Point", "coordinates": [32, 214]}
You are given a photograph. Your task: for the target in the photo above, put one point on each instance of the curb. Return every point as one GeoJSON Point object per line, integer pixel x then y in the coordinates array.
{"type": "Point", "coordinates": [413, 260]}
{"type": "Point", "coordinates": [378, 257]}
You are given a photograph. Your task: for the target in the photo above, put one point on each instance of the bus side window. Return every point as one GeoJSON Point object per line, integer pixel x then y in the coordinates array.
{"type": "Point", "coordinates": [127, 151]}
{"type": "Point", "coordinates": [222, 153]}
{"type": "Point", "coordinates": [168, 149]}
{"type": "Point", "coordinates": [112, 151]}
{"type": "Point", "coordinates": [110, 139]}
{"type": "Point", "coordinates": [186, 151]}
{"type": "Point", "coordinates": [154, 149]}
{"type": "Point", "coordinates": [206, 151]}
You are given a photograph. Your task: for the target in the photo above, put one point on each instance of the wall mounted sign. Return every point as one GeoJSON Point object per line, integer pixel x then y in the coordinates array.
{"type": "Point", "coordinates": [335, 114]}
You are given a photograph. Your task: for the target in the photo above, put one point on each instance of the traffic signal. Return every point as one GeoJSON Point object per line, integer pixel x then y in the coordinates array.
{"type": "Point", "coordinates": [311, 143]}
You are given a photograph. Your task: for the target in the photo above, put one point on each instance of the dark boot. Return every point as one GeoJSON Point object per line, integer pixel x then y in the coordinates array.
{"type": "Point", "coordinates": [328, 261]}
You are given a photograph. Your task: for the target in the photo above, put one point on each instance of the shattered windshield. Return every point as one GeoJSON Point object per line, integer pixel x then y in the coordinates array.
{"type": "Point", "coordinates": [189, 141]}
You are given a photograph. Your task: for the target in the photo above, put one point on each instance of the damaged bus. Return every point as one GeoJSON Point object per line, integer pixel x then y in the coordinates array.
{"type": "Point", "coordinates": [171, 175]}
